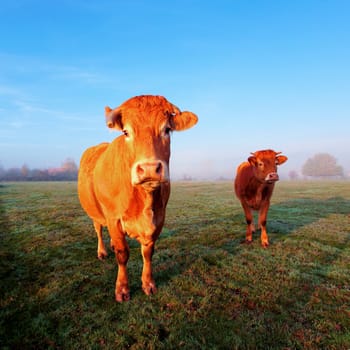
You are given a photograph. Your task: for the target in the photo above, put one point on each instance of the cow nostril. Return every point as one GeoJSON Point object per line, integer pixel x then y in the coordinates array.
{"type": "Point", "coordinates": [272, 177]}
{"type": "Point", "coordinates": [159, 168]}
{"type": "Point", "coordinates": [140, 170]}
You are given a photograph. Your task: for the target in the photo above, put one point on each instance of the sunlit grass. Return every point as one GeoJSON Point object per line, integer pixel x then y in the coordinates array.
{"type": "Point", "coordinates": [213, 291]}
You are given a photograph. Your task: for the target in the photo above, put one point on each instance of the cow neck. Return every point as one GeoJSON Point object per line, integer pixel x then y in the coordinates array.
{"type": "Point", "coordinates": [140, 220]}
{"type": "Point", "coordinates": [146, 200]}
{"type": "Point", "coordinates": [255, 182]}
{"type": "Point", "coordinates": [256, 187]}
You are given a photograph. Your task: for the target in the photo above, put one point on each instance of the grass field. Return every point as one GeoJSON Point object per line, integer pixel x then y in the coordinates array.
{"type": "Point", "coordinates": [213, 291]}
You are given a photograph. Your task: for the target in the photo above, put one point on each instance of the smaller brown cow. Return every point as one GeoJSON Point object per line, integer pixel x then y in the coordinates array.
{"type": "Point", "coordinates": [254, 184]}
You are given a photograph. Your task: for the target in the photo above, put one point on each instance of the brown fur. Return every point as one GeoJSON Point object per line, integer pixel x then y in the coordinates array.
{"type": "Point", "coordinates": [125, 184]}
{"type": "Point", "coordinates": [254, 184]}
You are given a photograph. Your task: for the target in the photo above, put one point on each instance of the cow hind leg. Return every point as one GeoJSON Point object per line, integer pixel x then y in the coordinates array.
{"type": "Point", "coordinates": [101, 249]}
{"type": "Point", "coordinates": [148, 283]}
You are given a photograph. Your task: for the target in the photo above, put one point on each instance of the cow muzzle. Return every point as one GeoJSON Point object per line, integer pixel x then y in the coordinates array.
{"type": "Point", "coordinates": [149, 173]}
{"type": "Point", "coordinates": [271, 177]}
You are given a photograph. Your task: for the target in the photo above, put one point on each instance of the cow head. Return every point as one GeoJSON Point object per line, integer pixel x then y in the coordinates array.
{"type": "Point", "coordinates": [147, 123]}
{"type": "Point", "coordinates": [265, 165]}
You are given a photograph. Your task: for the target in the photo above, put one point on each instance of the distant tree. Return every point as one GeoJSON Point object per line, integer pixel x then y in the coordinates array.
{"type": "Point", "coordinates": [13, 174]}
{"type": "Point", "coordinates": [40, 175]}
{"type": "Point", "coordinates": [25, 171]}
{"type": "Point", "coordinates": [69, 170]}
{"type": "Point", "coordinates": [69, 165]}
{"type": "Point", "coordinates": [322, 165]}
{"type": "Point", "coordinates": [2, 172]}
{"type": "Point", "coordinates": [187, 177]}
{"type": "Point", "coordinates": [293, 175]}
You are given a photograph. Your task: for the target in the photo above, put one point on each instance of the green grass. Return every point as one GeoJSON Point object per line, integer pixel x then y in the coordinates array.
{"type": "Point", "coordinates": [213, 291]}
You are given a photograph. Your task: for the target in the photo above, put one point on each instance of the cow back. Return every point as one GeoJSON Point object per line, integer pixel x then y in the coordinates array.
{"type": "Point", "coordinates": [86, 191]}
{"type": "Point", "coordinates": [245, 180]}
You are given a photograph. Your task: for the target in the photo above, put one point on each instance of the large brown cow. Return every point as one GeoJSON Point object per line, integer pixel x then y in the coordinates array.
{"type": "Point", "coordinates": [125, 185]}
{"type": "Point", "coordinates": [254, 184]}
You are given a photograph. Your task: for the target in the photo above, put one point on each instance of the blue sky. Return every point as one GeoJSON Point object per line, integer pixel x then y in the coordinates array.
{"type": "Point", "coordinates": [259, 74]}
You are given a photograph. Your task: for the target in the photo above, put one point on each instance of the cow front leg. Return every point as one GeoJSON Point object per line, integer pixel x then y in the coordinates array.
{"type": "Point", "coordinates": [122, 252]}
{"type": "Point", "coordinates": [250, 223]}
{"type": "Point", "coordinates": [148, 283]}
{"type": "Point", "coordinates": [101, 249]}
{"type": "Point", "coordinates": [122, 291]}
{"type": "Point", "coordinates": [262, 224]}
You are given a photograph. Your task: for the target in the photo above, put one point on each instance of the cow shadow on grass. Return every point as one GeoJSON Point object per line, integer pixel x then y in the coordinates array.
{"type": "Point", "coordinates": [246, 306]}
{"type": "Point", "coordinates": [289, 216]}
{"type": "Point", "coordinates": [181, 246]}
{"type": "Point", "coordinates": [207, 236]}
{"type": "Point", "coordinates": [284, 218]}
{"type": "Point", "coordinates": [204, 239]}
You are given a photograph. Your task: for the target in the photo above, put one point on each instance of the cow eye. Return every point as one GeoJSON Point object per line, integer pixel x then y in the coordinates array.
{"type": "Point", "coordinates": [170, 114]}
{"type": "Point", "coordinates": [260, 164]}
{"type": "Point", "coordinates": [167, 130]}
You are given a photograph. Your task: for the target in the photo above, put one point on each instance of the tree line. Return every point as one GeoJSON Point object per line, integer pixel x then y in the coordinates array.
{"type": "Point", "coordinates": [68, 171]}
{"type": "Point", "coordinates": [321, 165]}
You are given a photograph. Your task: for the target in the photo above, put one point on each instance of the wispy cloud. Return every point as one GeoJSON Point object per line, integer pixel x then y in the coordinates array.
{"type": "Point", "coordinates": [47, 69]}
{"type": "Point", "coordinates": [24, 113]}
{"type": "Point", "coordinates": [71, 73]}
{"type": "Point", "coordinates": [25, 106]}
{"type": "Point", "coordinates": [9, 91]}
{"type": "Point", "coordinates": [16, 124]}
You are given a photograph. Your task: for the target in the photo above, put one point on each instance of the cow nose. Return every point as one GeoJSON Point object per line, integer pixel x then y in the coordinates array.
{"type": "Point", "coordinates": [149, 171]}
{"type": "Point", "coordinates": [272, 177]}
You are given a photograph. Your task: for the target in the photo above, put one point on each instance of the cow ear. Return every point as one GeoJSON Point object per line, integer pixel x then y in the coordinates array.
{"type": "Point", "coordinates": [252, 160]}
{"type": "Point", "coordinates": [113, 118]}
{"type": "Point", "coordinates": [281, 159]}
{"type": "Point", "coordinates": [184, 120]}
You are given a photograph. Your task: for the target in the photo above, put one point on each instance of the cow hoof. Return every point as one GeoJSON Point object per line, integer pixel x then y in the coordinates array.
{"type": "Point", "coordinates": [265, 244]}
{"type": "Point", "coordinates": [102, 255]}
{"type": "Point", "coordinates": [122, 294]}
{"type": "Point", "coordinates": [248, 241]}
{"type": "Point", "coordinates": [149, 289]}
{"type": "Point", "coordinates": [121, 297]}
